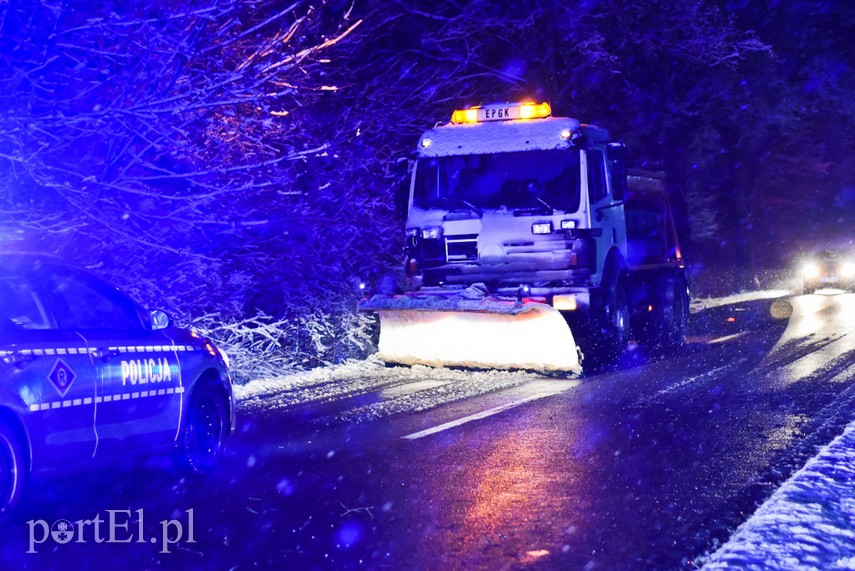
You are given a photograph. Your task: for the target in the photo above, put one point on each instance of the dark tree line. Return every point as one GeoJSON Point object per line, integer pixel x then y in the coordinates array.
{"type": "Point", "coordinates": [229, 157]}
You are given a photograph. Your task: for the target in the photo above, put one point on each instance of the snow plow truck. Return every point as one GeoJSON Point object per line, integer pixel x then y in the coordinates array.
{"type": "Point", "coordinates": [529, 245]}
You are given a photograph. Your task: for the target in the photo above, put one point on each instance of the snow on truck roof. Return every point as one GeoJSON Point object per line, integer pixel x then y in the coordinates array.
{"type": "Point", "coordinates": [499, 129]}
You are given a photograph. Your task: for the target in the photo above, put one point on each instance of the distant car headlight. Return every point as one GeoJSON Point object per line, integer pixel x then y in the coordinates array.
{"type": "Point", "coordinates": [847, 270]}
{"type": "Point", "coordinates": [810, 270]}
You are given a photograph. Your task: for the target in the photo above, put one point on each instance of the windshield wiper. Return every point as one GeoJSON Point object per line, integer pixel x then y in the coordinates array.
{"type": "Point", "coordinates": [546, 204]}
{"type": "Point", "coordinates": [469, 206]}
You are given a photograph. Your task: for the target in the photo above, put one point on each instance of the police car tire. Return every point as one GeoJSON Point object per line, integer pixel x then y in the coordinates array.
{"type": "Point", "coordinates": [12, 465]}
{"type": "Point", "coordinates": [207, 412]}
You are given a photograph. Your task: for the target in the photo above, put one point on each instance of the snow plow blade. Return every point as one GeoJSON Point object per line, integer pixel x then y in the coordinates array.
{"type": "Point", "coordinates": [480, 333]}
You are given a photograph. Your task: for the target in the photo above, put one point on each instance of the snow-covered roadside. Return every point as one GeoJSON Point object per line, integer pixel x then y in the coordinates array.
{"type": "Point", "coordinates": [400, 389]}
{"type": "Point", "coordinates": [711, 302]}
{"type": "Point", "coordinates": [808, 523]}
{"type": "Point", "coordinates": [403, 389]}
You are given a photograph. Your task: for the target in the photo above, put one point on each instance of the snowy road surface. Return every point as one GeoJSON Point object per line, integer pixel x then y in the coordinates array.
{"type": "Point", "coordinates": [650, 466]}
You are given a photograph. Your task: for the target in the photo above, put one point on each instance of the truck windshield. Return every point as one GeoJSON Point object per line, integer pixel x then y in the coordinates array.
{"type": "Point", "coordinates": [525, 180]}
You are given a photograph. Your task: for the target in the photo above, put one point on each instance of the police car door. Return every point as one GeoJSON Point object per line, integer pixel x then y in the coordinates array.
{"type": "Point", "coordinates": [47, 372]}
{"type": "Point", "coordinates": [139, 392]}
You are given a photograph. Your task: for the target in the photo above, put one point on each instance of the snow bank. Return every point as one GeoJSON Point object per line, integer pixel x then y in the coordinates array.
{"type": "Point", "coordinates": [809, 523]}
{"type": "Point", "coordinates": [400, 389]}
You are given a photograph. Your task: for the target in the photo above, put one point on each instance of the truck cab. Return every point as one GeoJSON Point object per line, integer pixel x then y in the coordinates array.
{"type": "Point", "coordinates": [513, 198]}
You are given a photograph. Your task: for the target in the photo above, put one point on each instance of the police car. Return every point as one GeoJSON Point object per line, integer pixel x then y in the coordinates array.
{"type": "Point", "coordinates": [86, 373]}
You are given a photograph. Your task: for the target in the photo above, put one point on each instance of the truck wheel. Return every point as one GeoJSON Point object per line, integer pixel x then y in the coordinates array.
{"type": "Point", "coordinates": [679, 316]}
{"type": "Point", "coordinates": [204, 433]}
{"type": "Point", "coordinates": [609, 335]}
{"type": "Point", "coordinates": [665, 325]}
{"type": "Point", "coordinates": [12, 470]}
{"type": "Point", "coordinates": [619, 320]}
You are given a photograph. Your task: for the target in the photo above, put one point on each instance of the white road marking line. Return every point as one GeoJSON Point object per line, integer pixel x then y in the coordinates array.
{"type": "Point", "coordinates": [688, 381]}
{"type": "Point", "coordinates": [726, 338]}
{"type": "Point", "coordinates": [486, 413]}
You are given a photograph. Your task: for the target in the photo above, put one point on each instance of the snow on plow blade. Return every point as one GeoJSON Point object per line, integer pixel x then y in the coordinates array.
{"type": "Point", "coordinates": [482, 333]}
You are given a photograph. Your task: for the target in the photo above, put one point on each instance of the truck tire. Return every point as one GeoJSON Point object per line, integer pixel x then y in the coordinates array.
{"type": "Point", "coordinates": [609, 334]}
{"type": "Point", "coordinates": [665, 327]}
{"type": "Point", "coordinates": [678, 328]}
{"type": "Point", "coordinates": [619, 320]}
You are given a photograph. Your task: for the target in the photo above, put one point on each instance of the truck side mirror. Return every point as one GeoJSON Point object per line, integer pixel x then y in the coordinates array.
{"type": "Point", "coordinates": [616, 159]}
{"type": "Point", "coordinates": [402, 185]}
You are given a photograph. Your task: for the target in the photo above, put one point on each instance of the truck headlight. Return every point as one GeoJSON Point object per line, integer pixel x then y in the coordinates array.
{"type": "Point", "coordinates": [432, 233]}
{"type": "Point", "coordinates": [565, 302]}
{"type": "Point", "coordinates": [810, 270]}
{"type": "Point", "coordinates": [541, 228]}
{"type": "Point", "coordinates": [847, 270]}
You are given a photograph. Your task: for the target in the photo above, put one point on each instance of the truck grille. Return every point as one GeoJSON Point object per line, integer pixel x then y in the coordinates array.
{"type": "Point", "coordinates": [463, 248]}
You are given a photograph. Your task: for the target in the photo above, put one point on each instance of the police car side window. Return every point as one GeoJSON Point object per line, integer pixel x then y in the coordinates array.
{"type": "Point", "coordinates": [83, 303]}
{"type": "Point", "coordinates": [21, 307]}
{"type": "Point", "coordinates": [596, 175]}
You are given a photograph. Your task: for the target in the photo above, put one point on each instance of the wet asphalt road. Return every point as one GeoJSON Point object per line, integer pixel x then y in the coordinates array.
{"type": "Point", "coordinates": [645, 467]}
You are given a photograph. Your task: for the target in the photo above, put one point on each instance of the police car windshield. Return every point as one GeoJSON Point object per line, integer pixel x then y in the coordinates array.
{"type": "Point", "coordinates": [514, 181]}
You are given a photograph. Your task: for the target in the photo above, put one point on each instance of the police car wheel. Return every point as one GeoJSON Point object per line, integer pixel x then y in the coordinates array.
{"type": "Point", "coordinates": [205, 431]}
{"type": "Point", "coordinates": [12, 471]}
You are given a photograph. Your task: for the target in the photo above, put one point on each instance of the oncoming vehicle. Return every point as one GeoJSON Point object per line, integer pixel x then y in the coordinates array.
{"type": "Point", "coordinates": [88, 374]}
{"type": "Point", "coordinates": [828, 269]}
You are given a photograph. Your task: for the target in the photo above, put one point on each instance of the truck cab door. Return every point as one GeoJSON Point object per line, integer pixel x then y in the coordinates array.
{"type": "Point", "coordinates": [606, 212]}
{"type": "Point", "coordinates": [139, 389]}
{"type": "Point", "coordinates": [47, 372]}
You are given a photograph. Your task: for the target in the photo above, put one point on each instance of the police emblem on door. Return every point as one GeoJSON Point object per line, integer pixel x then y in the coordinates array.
{"type": "Point", "coordinates": [61, 376]}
